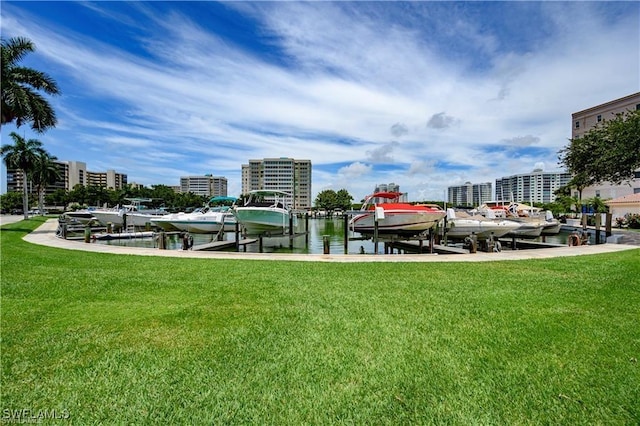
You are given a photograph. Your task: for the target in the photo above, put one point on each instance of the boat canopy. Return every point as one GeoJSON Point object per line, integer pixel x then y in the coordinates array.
{"type": "Point", "coordinates": [387, 195]}
{"type": "Point", "coordinates": [269, 192]}
{"type": "Point", "coordinates": [221, 199]}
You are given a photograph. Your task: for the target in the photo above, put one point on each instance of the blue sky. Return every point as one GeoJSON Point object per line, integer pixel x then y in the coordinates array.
{"type": "Point", "coordinates": [423, 94]}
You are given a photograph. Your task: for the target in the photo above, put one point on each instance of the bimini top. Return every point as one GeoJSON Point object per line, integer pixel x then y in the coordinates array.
{"type": "Point", "coordinates": [221, 199]}
{"type": "Point", "coordinates": [269, 192]}
{"type": "Point", "coordinates": [387, 195]}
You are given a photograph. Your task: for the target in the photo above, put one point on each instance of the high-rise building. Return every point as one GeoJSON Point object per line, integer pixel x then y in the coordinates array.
{"type": "Point", "coordinates": [390, 187]}
{"type": "Point", "coordinates": [585, 120]}
{"type": "Point", "coordinates": [470, 194]}
{"type": "Point", "coordinates": [535, 187]}
{"type": "Point", "coordinates": [207, 185]}
{"type": "Point", "coordinates": [72, 173]}
{"type": "Point", "coordinates": [280, 174]}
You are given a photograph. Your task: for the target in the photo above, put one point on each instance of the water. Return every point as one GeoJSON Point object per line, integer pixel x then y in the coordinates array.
{"type": "Point", "coordinates": [332, 228]}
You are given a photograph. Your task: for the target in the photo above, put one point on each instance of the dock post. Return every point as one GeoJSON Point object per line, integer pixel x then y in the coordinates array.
{"type": "Point", "coordinates": [607, 225]}
{"type": "Point", "coordinates": [598, 222]}
{"type": "Point", "coordinates": [325, 244]}
{"type": "Point", "coordinates": [306, 229]}
{"type": "Point", "coordinates": [260, 243]}
{"type": "Point", "coordinates": [291, 231]}
{"type": "Point", "coordinates": [431, 241]}
{"type": "Point", "coordinates": [237, 232]}
{"type": "Point", "coordinates": [375, 236]}
{"type": "Point", "coordinates": [87, 234]}
{"type": "Point", "coordinates": [162, 240]}
{"type": "Point", "coordinates": [346, 233]}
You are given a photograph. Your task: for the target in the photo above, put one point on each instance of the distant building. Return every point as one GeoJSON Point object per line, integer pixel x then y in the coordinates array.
{"type": "Point", "coordinates": [72, 173]}
{"type": "Point", "coordinates": [389, 187]}
{"type": "Point", "coordinates": [207, 185]}
{"type": "Point", "coordinates": [470, 194]}
{"type": "Point", "coordinates": [585, 120]}
{"type": "Point", "coordinates": [280, 174]}
{"type": "Point", "coordinates": [535, 187]}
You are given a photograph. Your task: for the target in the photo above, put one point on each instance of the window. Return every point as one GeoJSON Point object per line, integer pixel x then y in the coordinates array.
{"type": "Point", "coordinates": [599, 118]}
{"type": "Point", "coordinates": [598, 193]}
{"type": "Point", "coordinates": [577, 124]}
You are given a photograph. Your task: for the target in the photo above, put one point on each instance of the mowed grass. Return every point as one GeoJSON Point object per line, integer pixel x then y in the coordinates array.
{"type": "Point", "coordinates": [132, 339]}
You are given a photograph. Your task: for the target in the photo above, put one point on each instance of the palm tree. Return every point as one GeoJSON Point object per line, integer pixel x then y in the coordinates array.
{"type": "Point", "coordinates": [22, 155]}
{"type": "Point", "coordinates": [44, 172]}
{"type": "Point", "coordinates": [21, 101]}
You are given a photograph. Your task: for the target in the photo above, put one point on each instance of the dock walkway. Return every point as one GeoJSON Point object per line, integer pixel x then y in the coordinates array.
{"type": "Point", "coordinates": [46, 235]}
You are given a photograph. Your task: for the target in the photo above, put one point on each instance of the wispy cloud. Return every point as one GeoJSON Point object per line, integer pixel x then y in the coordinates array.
{"type": "Point", "coordinates": [423, 94]}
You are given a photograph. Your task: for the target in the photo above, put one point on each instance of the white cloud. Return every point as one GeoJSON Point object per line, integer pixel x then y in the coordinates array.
{"type": "Point", "coordinates": [340, 82]}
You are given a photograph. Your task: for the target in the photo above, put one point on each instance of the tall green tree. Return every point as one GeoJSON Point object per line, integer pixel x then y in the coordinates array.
{"type": "Point", "coordinates": [45, 171]}
{"type": "Point", "coordinates": [22, 155]}
{"type": "Point", "coordinates": [21, 99]}
{"type": "Point", "coordinates": [343, 199]}
{"type": "Point", "coordinates": [608, 152]}
{"type": "Point", "coordinates": [326, 200]}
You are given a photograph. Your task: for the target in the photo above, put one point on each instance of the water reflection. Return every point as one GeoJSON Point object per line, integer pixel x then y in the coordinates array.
{"type": "Point", "coordinates": [332, 228]}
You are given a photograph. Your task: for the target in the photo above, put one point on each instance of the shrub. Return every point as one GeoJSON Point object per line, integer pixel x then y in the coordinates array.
{"type": "Point", "coordinates": [633, 220]}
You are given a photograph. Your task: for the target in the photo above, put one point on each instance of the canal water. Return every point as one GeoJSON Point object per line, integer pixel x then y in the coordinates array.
{"type": "Point", "coordinates": [332, 228]}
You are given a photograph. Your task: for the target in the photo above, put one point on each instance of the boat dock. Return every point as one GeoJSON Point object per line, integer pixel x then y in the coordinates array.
{"type": "Point", "coordinates": [221, 245]}
{"type": "Point", "coordinates": [410, 246]}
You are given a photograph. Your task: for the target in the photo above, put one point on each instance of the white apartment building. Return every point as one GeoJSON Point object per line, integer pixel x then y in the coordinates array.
{"type": "Point", "coordinates": [535, 187]}
{"type": "Point", "coordinates": [585, 120]}
{"type": "Point", "coordinates": [470, 194]}
{"type": "Point", "coordinates": [72, 173]}
{"type": "Point", "coordinates": [207, 185]}
{"type": "Point", "coordinates": [280, 174]}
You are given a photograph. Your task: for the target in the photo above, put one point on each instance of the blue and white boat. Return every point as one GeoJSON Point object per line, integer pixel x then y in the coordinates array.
{"type": "Point", "coordinates": [265, 212]}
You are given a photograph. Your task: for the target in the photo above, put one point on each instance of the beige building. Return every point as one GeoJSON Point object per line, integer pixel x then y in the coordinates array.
{"type": "Point", "coordinates": [585, 120]}
{"type": "Point", "coordinates": [621, 206]}
{"type": "Point", "coordinates": [72, 173]}
{"type": "Point", "coordinates": [207, 185]}
{"type": "Point", "coordinates": [280, 174]}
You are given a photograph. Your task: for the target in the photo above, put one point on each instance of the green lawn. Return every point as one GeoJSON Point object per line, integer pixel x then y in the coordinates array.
{"type": "Point", "coordinates": [131, 339]}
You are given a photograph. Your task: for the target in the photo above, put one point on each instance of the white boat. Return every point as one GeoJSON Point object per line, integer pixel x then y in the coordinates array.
{"type": "Point", "coordinates": [531, 222]}
{"type": "Point", "coordinates": [394, 217]}
{"type": "Point", "coordinates": [84, 217]}
{"type": "Point", "coordinates": [207, 220]}
{"type": "Point", "coordinates": [460, 225]}
{"type": "Point", "coordinates": [133, 214]}
{"type": "Point", "coordinates": [264, 213]}
{"type": "Point", "coordinates": [165, 222]}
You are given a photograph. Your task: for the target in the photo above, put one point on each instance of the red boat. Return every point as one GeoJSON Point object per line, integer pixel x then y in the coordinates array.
{"type": "Point", "coordinates": [395, 217]}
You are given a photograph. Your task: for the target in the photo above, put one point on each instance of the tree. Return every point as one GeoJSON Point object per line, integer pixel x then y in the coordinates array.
{"type": "Point", "coordinates": [608, 152]}
{"type": "Point", "coordinates": [21, 101]}
{"type": "Point", "coordinates": [10, 201]}
{"type": "Point", "coordinates": [326, 200]}
{"type": "Point", "coordinates": [343, 199]}
{"type": "Point", "coordinates": [45, 171]}
{"type": "Point", "coordinates": [22, 155]}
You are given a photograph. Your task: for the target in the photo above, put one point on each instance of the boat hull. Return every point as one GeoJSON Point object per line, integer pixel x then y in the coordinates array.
{"type": "Point", "coordinates": [462, 228]}
{"type": "Point", "coordinates": [397, 222]}
{"type": "Point", "coordinates": [262, 220]}
{"type": "Point", "coordinates": [529, 230]}
{"type": "Point", "coordinates": [206, 226]}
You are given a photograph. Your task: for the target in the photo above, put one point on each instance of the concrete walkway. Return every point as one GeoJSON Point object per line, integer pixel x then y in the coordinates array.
{"type": "Point", "coordinates": [45, 235]}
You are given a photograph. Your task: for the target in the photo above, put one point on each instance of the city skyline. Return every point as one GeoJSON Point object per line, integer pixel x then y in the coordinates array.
{"type": "Point", "coordinates": [425, 94]}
